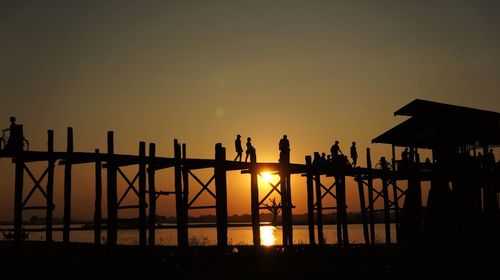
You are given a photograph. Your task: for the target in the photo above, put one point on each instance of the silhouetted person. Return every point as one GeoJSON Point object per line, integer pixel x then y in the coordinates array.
{"type": "Point", "coordinates": [405, 155]}
{"type": "Point", "coordinates": [12, 134]}
{"type": "Point", "coordinates": [490, 159]}
{"type": "Point", "coordinates": [317, 162]}
{"type": "Point", "coordinates": [427, 164]}
{"type": "Point", "coordinates": [250, 149]}
{"type": "Point", "coordinates": [284, 146]}
{"type": "Point", "coordinates": [354, 154]}
{"type": "Point", "coordinates": [335, 150]}
{"type": "Point", "coordinates": [237, 146]}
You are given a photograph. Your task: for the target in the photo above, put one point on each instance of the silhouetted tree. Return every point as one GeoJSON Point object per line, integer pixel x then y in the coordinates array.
{"type": "Point", "coordinates": [274, 208]}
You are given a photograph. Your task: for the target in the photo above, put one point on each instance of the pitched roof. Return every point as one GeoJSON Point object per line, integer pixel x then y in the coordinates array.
{"type": "Point", "coordinates": [434, 123]}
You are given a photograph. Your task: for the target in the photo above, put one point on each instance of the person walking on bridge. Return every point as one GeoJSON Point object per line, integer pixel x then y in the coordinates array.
{"type": "Point", "coordinates": [354, 154]}
{"type": "Point", "coordinates": [239, 149]}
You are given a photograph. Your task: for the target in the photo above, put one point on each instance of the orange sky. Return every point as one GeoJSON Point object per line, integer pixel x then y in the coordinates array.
{"type": "Point", "coordinates": [203, 72]}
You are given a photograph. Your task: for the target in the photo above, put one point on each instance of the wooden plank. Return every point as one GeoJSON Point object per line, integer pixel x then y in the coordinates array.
{"type": "Point", "coordinates": [67, 187]}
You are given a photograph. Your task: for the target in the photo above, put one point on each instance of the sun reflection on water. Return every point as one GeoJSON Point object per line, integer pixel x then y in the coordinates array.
{"type": "Point", "coordinates": [268, 235]}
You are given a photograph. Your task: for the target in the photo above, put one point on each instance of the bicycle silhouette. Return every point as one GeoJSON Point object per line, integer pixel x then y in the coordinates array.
{"type": "Point", "coordinates": [4, 140]}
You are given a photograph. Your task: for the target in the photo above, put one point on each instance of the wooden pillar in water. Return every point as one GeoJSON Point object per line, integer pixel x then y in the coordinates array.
{"type": "Point", "coordinates": [362, 205]}
{"type": "Point", "coordinates": [254, 196]}
{"type": "Point", "coordinates": [387, 206]}
{"type": "Point", "coordinates": [395, 194]}
{"type": "Point", "coordinates": [67, 187]}
{"type": "Point", "coordinates": [319, 208]}
{"type": "Point", "coordinates": [50, 187]}
{"type": "Point", "coordinates": [221, 194]}
{"type": "Point", "coordinates": [182, 233]}
{"type": "Point", "coordinates": [152, 195]}
{"type": "Point", "coordinates": [112, 193]}
{"type": "Point", "coordinates": [142, 195]}
{"type": "Point", "coordinates": [345, 232]}
{"type": "Point", "coordinates": [371, 205]}
{"type": "Point", "coordinates": [185, 192]}
{"type": "Point", "coordinates": [310, 200]}
{"type": "Point", "coordinates": [18, 188]}
{"type": "Point", "coordinates": [98, 199]}
{"type": "Point", "coordinates": [286, 201]}
{"type": "Point", "coordinates": [338, 189]}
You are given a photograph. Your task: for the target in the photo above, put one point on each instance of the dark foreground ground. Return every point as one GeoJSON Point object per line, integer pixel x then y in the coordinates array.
{"type": "Point", "coordinates": [37, 260]}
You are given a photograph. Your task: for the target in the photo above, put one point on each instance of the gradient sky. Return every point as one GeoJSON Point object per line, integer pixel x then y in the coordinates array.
{"type": "Point", "coordinates": [204, 71]}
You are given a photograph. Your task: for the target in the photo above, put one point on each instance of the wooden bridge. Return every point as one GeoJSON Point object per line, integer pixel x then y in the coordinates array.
{"type": "Point", "coordinates": [144, 186]}
{"type": "Point", "coordinates": [402, 206]}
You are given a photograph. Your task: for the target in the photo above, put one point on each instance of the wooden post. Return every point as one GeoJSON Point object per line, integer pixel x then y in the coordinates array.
{"type": "Point", "coordinates": [112, 194]}
{"type": "Point", "coordinates": [221, 195]}
{"type": "Point", "coordinates": [387, 206]}
{"type": "Point", "coordinates": [142, 195]}
{"type": "Point", "coordinates": [395, 194]}
{"type": "Point", "coordinates": [290, 204]}
{"type": "Point", "coordinates": [339, 210]}
{"type": "Point", "coordinates": [18, 189]}
{"type": "Point", "coordinates": [254, 189]}
{"type": "Point", "coordinates": [319, 208]}
{"type": "Point", "coordinates": [67, 187]}
{"type": "Point", "coordinates": [50, 187]}
{"type": "Point", "coordinates": [185, 193]}
{"type": "Point", "coordinates": [98, 200]}
{"type": "Point", "coordinates": [285, 200]}
{"type": "Point", "coordinates": [182, 237]}
{"type": "Point", "coordinates": [362, 204]}
{"type": "Point", "coordinates": [310, 200]}
{"type": "Point", "coordinates": [345, 230]}
{"type": "Point", "coordinates": [152, 195]}
{"type": "Point", "coordinates": [371, 205]}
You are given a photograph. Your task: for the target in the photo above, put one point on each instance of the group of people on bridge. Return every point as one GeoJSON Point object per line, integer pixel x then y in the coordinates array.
{"type": "Point", "coordinates": [284, 147]}
{"type": "Point", "coordinates": [336, 158]}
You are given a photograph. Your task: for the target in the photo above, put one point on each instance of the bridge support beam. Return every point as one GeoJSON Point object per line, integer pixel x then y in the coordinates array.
{"type": "Point", "coordinates": [67, 187]}
{"type": "Point", "coordinates": [221, 195]}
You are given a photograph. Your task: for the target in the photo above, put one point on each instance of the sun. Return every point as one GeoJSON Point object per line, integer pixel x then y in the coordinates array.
{"type": "Point", "coordinates": [267, 176]}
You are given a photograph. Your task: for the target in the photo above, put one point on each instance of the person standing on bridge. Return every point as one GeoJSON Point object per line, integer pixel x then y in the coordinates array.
{"type": "Point", "coordinates": [237, 146]}
{"type": "Point", "coordinates": [284, 146]}
{"type": "Point", "coordinates": [12, 134]}
{"type": "Point", "coordinates": [354, 154]}
{"type": "Point", "coordinates": [250, 149]}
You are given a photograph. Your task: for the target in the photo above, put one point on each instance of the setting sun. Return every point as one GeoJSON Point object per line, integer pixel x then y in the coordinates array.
{"type": "Point", "coordinates": [267, 176]}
